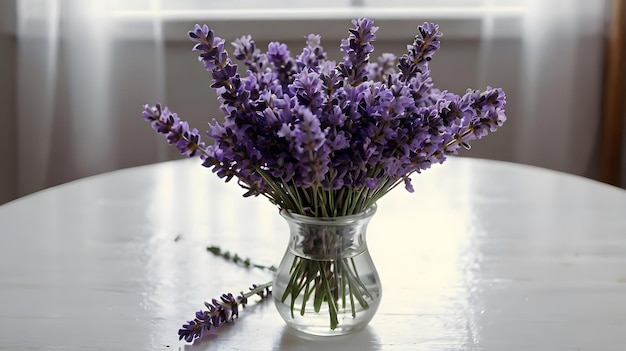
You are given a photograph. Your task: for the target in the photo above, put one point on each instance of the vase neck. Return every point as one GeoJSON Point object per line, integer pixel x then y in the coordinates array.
{"type": "Point", "coordinates": [328, 238]}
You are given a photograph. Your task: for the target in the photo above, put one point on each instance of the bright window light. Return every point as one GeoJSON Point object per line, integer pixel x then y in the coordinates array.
{"type": "Point", "coordinates": [298, 9]}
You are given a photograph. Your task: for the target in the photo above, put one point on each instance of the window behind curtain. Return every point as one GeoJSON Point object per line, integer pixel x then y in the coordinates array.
{"type": "Point", "coordinates": [383, 7]}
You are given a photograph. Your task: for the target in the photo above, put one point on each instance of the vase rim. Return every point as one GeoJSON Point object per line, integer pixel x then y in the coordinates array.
{"type": "Point", "coordinates": [340, 220]}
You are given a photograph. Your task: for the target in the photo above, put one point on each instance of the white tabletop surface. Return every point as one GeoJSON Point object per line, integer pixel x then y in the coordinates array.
{"type": "Point", "coordinates": [484, 255]}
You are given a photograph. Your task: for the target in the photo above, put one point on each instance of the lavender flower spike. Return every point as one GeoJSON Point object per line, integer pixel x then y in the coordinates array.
{"type": "Point", "coordinates": [247, 52]}
{"type": "Point", "coordinates": [424, 46]}
{"type": "Point", "coordinates": [312, 55]}
{"type": "Point", "coordinates": [177, 132]}
{"type": "Point", "coordinates": [357, 50]}
{"type": "Point", "coordinates": [224, 310]}
{"type": "Point", "coordinates": [211, 48]}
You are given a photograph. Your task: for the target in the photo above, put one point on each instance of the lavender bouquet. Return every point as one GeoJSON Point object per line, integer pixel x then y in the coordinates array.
{"type": "Point", "coordinates": [321, 138]}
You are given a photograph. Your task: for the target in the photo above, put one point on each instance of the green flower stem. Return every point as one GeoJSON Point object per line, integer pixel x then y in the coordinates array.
{"type": "Point", "coordinates": [235, 258]}
{"type": "Point", "coordinates": [458, 139]}
{"type": "Point", "coordinates": [281, 198]}
{"type": "Point", "coordinates": [257, 290]}
{"type": "Point", "coordinates": [292, 286]}
{"type": "Point", "coordinates": [355, 282]}
{"type": "Point", "coordinates": [334, 283]}
{"type": "Point", "coordinates": [332, 303]}
{"type": "Point", "coordinates": [298, 199]}
{"type": "Point", "coordinates": [307, 293]}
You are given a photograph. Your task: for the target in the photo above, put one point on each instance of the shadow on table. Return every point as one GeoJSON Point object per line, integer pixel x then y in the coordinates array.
{"type": "Point", "coordinates": [364, 340]}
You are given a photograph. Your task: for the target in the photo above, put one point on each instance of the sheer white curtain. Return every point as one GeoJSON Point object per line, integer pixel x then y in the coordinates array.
{"type": "Point", "coordinates": [562, 85]}
{"type": "Point", "coordinates": [80, 88]}
{"type": "Point", "coordinates": [85, 68]}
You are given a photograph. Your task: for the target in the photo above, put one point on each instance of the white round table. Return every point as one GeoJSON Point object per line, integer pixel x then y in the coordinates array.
{"type": "Point", "coordinates": [484, 255]}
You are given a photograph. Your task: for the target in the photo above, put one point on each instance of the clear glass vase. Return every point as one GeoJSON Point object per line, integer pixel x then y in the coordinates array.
{"type": "Point", "coordinates": [327, 283]}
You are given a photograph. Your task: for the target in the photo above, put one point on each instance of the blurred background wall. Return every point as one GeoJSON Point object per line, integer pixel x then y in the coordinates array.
{"type": "Point", "coordinates": [75, 74]}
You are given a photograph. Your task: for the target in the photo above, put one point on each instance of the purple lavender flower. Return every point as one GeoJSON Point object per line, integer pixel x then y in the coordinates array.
{"type": "Point", "coordinates": [357, 50]}
{"type": "Point", "coordinates": [226, 80]}
{"type": "Point", "coordinates": [489, 107]}
{"type": "Point", "coordinates": [262, 292]}
{"type": "Point", "coordinates": [307, 87]}
{"type": "Point", "coordinates": [211, 48]}
{"type": "Point", "coordinates": [193, 329]}
{"type": "Point", "coordinates": [176, 132]}
{"type": "Point", "coordinates": [426, 43]}
{"type": "Point", "coordinates": [247, 52]}
{"type": "Point", "coordinates": [307, 144]}
{"type": "Point", "coordinates": [222, 310]}
{"type": "Point", "coordinates": [306, 129]}
{"type": "Point", "coordinates": [383, 68]}
{"type": "Point", "coordinates": [278, 55]}
{"type": "Point", "coordinates": [313, 54]}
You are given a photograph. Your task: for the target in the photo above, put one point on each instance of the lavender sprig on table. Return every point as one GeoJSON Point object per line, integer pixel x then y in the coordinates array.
{"type": "Point", "coordinates": [219, 311]}
{"type": "Point", "coordinates": [235, 258]}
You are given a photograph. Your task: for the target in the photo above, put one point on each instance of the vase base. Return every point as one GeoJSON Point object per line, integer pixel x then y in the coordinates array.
{"type": "Point", "coordinates": [315, 335]}
{"type": "Point", "coordinates": [316, 326]}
